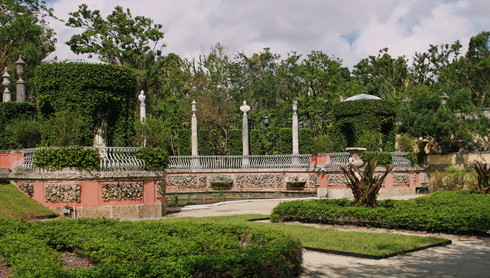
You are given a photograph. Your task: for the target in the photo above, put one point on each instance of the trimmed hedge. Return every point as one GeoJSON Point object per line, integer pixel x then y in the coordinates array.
{"type": "Point", "coordinates": [58, 158]}
{"type": "Point", "coordinates": [11, 111]}
{"type": "Point", "coordinates": [383, 158]}
{"type": "Point", "coordinates": [147, 249]}
{"type": "Point", "coordinates": [447, 211]}
{"type": "Point", "coordinates": [203, 141]}
{"type": "Point", "coordinates": [255, 142]}
{"type": "Point", "coordinates": [235, 143]}
{"type": "Point", "coordinates": [352, 118]}
{"type": "Point", "coordinates": [104, 96]}
{"type": "Point", "coordinates": [306, 143]}
{"type": "Point", "coordinates": [412, 157]}
{"type": "Point", "coordinates": [285, 140]}
{"type": "Point", "coordinates": [184, 141]}
{"type": "Point", "coordinates": [154, 157]}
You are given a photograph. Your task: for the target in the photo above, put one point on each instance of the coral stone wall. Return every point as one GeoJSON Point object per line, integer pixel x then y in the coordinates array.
{"type": "Point", "coordinates": [401, 179]}
{"type": "Point", "coordinates": [27, 188]}
{"type": "Point", "coordinates": [62, 192]}
{"type": "Point", "coordinates": [122, 191]}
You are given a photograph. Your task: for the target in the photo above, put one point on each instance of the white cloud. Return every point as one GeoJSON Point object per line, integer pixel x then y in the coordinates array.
{"type": "Point", "coordinates": [350, 29]}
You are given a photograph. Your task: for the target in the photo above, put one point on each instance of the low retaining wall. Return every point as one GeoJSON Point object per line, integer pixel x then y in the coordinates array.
{"type": "Point", "coordinates": [123, 195]}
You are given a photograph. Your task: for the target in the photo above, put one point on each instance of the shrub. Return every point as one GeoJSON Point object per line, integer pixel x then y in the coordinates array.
{"type": "Point", "coordinates": [285, 140]}
{"type": "Point", "coordinates": [235, 144]}
{"type": "Point", "coordinates": [24, 134]}
{"type": "Point", "coordinates": [154, 129]}
{"type": "Point", "coordinates": [383, 158]}
{"type": "Point", "coordinates": [306, 141]}
{"type": "Point", "coordinates": [104, 96]}
{"type": "Point", "coordinates": [255, 142]}
{"type": "Point", "coordinates": [10, 112]}
{"type": "Point", "coordinates": [405, 143]}
{"type": "Point", "coordinates": [154, 157]}
{"type": "Point", "coordinates": [203, 141]}
{"type": "Point", "coordinates": [184, 141]}
{"type": "Point", "coordinates": [447, 211]}
{"type": "Point", "coordinates": [63, 129]}
{"type": "Point", "coordinates": [323, 144]}
{"type": "Point", "coordinates": [58, 158]}
{"type": "Point", "coordinates": [412, 157]}
{"type": "Point", "coordinates": [372, 141]}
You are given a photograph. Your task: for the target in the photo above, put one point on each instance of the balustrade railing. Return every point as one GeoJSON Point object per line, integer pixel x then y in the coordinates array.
{"type": "Point", "coordinates": [27, 162]}
{"type": "Point", "coordinates": [239, 162]}
{"type": "Point", "coordinates": [120, 159]}
{"type": "Point", "coordinates": [338, 159]}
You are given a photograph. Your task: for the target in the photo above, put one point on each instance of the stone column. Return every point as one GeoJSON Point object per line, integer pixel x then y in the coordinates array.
{"type": "Point", "coordinates": [21, 85]}
{"type": "Point", "coordinates": [6, 83]}
{"type": "Point", "coordinates": [295, 129]}
{"type": "Point", "coordinates": [194, 150]}
{"type": "Point", "coordinates": [245, 108]}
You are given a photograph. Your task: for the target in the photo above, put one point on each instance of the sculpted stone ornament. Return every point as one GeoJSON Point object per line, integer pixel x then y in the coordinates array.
{"type": "Point", "coordinates": [356, 156]}
{"type": "Point", "coordinates": [6, 83]}
{"type": "Point", "coordinates": [245, 108]}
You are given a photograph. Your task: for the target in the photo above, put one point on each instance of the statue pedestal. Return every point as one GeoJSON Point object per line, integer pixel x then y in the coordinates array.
{"type": "Point", "coordinates": [356, 156]}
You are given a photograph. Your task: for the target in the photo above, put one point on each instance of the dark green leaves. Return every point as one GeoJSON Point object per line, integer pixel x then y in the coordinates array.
{"type": "Point", "coordinates": [59, 158]}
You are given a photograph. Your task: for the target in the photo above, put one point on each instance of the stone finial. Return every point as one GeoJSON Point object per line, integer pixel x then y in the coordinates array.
{"type": "Point", "coordinates": [295, 106]}
{"type": "Point", "coordinates": [20, 66]}
{"type": "Point", "coordinates": [245, 108]}
{"type": "Point", "coordinates": [193, 103]}
{"type": "Point", "coordinates": [21, 85]}
{"type": "Point", "coordinates": [6, 83]}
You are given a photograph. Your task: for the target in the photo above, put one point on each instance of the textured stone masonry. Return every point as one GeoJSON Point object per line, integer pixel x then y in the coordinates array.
{"type": "Point", "coordinates": [296, 180]}
{"type": "Point", "coordinates": [182, 181]}
{"type": "Point", "coordinates": [27, 188]}
{"type": "Point", "coordinates": [122, 191]}
{"type": "Point", "coordinates": [314, 180]}
{"type": "Point", "coordinates": [221, 180]}
{"type": "Point", "coordinates": [336, 179]}
{"type": "Point", "coordinates": [160, 188]}
{"type": "Point", "coordinates": [62, 192]}
{"type": "Point", "coordinates": [239, 180]}
{"type": "Point", "coordinates": [202, 181]}
{"type": "Point", "coordinates": [401, 179]}
{"type": "Point", "coordinates": [260, 180]}
{"type": "Point", "coordinates": [280, 180]}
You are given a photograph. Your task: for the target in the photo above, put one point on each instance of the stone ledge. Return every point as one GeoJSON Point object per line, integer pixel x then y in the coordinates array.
{"type": "Point", "coordinates": [74, 175]}
{"type": "Point", "coordinates": [241, 171]}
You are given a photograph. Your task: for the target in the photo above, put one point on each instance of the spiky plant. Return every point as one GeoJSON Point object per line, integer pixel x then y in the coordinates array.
{"type": "Point", "coordinates": [483, 172]}
{"type": "Point", "coordinates": [364, 185]}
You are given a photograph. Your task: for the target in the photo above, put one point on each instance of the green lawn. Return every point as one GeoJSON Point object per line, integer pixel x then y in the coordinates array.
{"type": "Point", "coordinates": [15, 204]}
{"type": "Point", "coordinates": [376, 244]}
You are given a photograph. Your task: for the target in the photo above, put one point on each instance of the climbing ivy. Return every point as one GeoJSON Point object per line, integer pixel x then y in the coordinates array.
{"type": "Point", "coordinates": [353, 118]}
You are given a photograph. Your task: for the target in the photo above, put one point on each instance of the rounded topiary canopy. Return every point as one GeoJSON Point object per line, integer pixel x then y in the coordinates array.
{"type": "Point", "coordinates": [362, 113]}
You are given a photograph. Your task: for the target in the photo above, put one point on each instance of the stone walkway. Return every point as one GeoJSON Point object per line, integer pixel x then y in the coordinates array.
{"type": "Point", "coordinates": [466, 257]}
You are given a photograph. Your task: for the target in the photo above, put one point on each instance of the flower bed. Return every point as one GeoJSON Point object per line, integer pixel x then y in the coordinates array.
{"type": "Point", "coordinates": [454, 212]}
{"type": "Point", "coordinates": [147, 249]}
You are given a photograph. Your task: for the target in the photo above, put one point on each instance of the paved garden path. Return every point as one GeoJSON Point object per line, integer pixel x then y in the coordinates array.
{"type": "Point", "coordinates": [466, 257]}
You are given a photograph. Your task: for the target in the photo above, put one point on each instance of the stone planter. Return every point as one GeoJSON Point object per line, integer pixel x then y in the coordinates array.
{"type": "Point", "coordinates": [221, 182]}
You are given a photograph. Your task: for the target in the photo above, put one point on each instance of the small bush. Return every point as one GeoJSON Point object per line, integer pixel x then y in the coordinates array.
{"type": "Point", "coordinates": [184, 142]}
{"type": "Point", "coordinates": [372, 141]}
{"type": "Point", "coordinates": [154, 157]}
{"type": "Point", "coordinates": [62, 129]}
{"type": "Point", "coordinates": [24, 134]}
{"type": "Point", "coordinates": [58, 158]}
{"type": "Point", "coordinates": [412, 157]}
{"type": "Point", "coordinates": [323, 144]}
{"type": "Point", "coordinates": [305, 141]}
{"type": "Point", "coordinates": [255, 142]}
{"type": "Point", "coordinates": [154, 130]}
{"type": "Point", "coordinates": [203, 141]}
{"type": "Point", "coordinates": [235, 143]}
{"type": "Point", "coordinates": [285, 141]}
{"type": "Point", "coordinates": [405, 143]}
{"type": "Point", "coordinates": [383, 158]}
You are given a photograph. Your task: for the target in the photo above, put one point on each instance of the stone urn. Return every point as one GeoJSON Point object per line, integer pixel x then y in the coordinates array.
{"type": "Point", "coordinates": [356, 156]}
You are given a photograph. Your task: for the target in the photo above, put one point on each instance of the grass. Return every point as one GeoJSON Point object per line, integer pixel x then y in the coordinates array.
{"type": "Point", "coordinates": [376, 244]}
{"type": "Point", "coordinates": [17, 205]}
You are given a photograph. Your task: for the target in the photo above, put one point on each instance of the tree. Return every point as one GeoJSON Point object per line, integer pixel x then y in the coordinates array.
{"type": "Point", "coordinates": [119, 39]}
{"type": "Point", "coordinates": [25, 31]}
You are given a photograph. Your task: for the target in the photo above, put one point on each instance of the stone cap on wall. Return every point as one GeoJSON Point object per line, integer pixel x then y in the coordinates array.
{"type": "Point", "coordinates": [75, 175]}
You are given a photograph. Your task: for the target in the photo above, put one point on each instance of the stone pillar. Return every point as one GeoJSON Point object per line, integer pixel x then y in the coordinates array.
{"type": "Point", "coordinates": [142, 98]}
{"type": "Point", "coordinates": [295, 129]}
{"type": "Point", "coordinates": [21, 85]}
{"type": "Point", "coordinates": [194, 150]}
{"type": "Point", "coordinates": [6, 83]}
{"type": "Point", "coordinates": [245, 108]}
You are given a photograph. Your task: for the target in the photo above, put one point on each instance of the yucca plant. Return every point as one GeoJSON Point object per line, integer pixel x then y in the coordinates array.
{"type": "Point", "coordinates": [483, 172]}
{"type": "Point", "coordinates": [364, 185]}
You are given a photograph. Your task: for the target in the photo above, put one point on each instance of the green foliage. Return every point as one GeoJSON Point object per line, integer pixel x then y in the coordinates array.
{"type": "Point", "coordinates": [154, 157]}
{"type": "Point", "coordinates": [154, 130]}
{"type": "Point", "coordinates": [405, 143]}
{"type": "Point", "coordinates": [120, 39]}
{"type": "Point", "coordinates": [354, 118]}
{"type": "Point", "coordinates": [235, 143]}
{"type": "Point", "coordinates": [412, 157]}
{"type": "Point", "coordinates": [364, 185]}
{"type": "Point", "coordinates": [370, 140]}
{"type": "Point", "coordinates": [255, 142]}
{"type": "Point", "coordinates": [453, 178]}
{"type": "Point", "coordinates": [214, 148]}
{"type": "Point", "coordinates": [147, 249]}
{"type": "Point", "coordinates": [62, 129]}
{"type": "Point", "coordinates": [383, 158]}
{"type": "Point", "coordinates": [103, 96]}
{"type": "Point", "coordinates": [203, 140]}
{"type": "Point", "coordinates": [483, 172]}
{"type": "Point", "coordinates": [24, 134]}
{"type": "Point", "coordinates": [447, 211]}
{"type": "Point", "coordinates": [11, 112]}
{"type": "Point", "coordinates": [285, 141]}
{"type": "Point", "coordinates": [306, 143]}
{"type": "Point", "coordinates": [323, 144]}
{"type": "Point", "coordinates": [58, 158]}
{"type": "Point", "coordinates": [184, 141]}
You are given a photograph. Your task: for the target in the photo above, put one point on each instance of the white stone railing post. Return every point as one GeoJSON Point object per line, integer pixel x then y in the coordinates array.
{"type": "Point", "coordinates": [21, 85]}
{"type": "Point", "coordinates": [245, 108]}
{"type": "Point", "coordinates": [6, 83]}
{"type": "Point", "coordinates": [295, 128]}
{"type": "Point", "coordinates": [194, 147]}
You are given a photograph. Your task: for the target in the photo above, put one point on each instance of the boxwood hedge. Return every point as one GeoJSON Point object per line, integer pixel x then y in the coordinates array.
{"type": "Point", "coordinates": [450, 211]}
{"type": "Point", "coordinates": [147, 249]}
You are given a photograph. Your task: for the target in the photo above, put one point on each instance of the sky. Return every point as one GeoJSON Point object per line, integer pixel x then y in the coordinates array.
{"type": "Point", "coordinates": [348, 29]}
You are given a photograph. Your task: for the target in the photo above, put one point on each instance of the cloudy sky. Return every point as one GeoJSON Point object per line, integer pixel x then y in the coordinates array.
{"type": "Point", "coordinates": [348, 29]}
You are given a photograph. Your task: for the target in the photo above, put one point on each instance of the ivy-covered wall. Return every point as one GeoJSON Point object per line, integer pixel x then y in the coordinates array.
{"type": "Point", "coordinates": [104, 96]}
{"type": "Point", "coordinates": [352, 118]}
{"type": "Point", "coordinates": [10, 111]}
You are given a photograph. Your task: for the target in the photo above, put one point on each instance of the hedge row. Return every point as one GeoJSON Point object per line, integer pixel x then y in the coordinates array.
{"type": "Point", "coordinates": [449, 211]}
{"type": "Point", "coordinates": [58, 158]}
{"type": "Point", "coordinates": [154, 157]}
{"type": "Point", "coordinates": [147, 249]}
